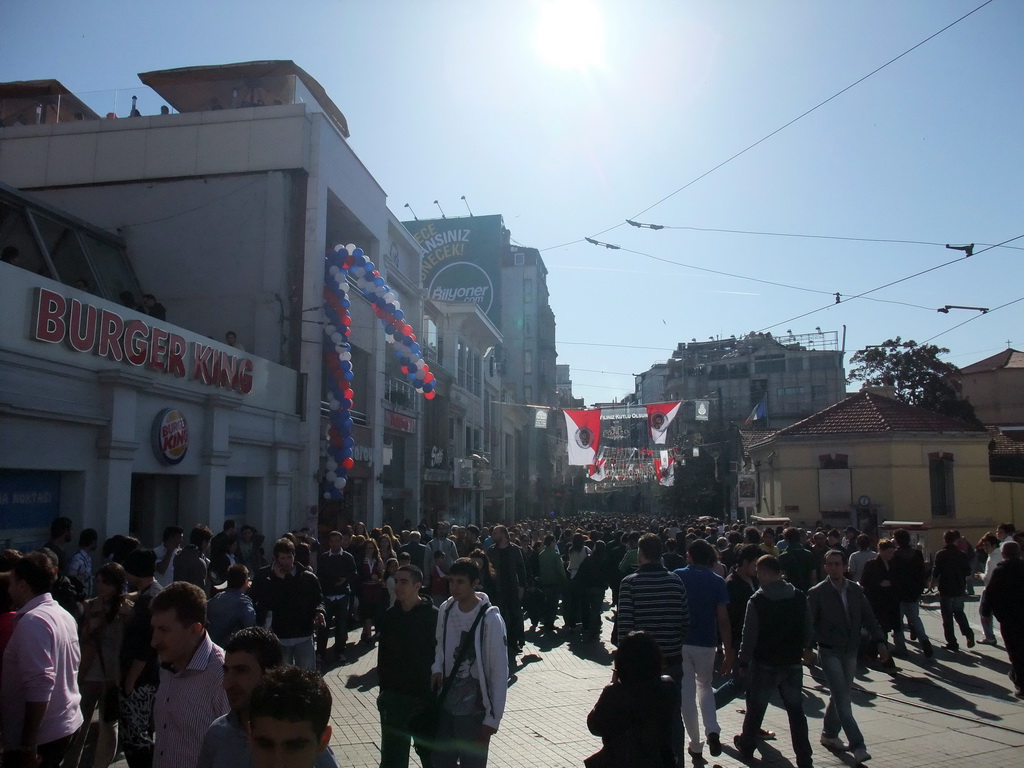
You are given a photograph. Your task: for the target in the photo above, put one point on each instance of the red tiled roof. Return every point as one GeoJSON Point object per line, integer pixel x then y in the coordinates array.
{"type": "Point", "coordinates": [1008, 358]}
{"type": "Point", "coordinates": [749, 437]}
{"type": "Point", "coordinates": [1006, 443]}
{"type": "Point", "coordinates": [868, 412]}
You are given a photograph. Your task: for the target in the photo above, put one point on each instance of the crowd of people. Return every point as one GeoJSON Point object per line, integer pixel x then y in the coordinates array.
{"type": "Point", "coordinates": [209, 653]}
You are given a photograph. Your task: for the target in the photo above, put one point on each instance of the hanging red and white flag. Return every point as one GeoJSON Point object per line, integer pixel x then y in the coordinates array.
{"type": "Point", "coordinates": [583, 430]}
{"type": "Point", "coordinates": [596, 471]}
{"type": "Point", "coordinates": [664, 467]}
{"type": "Point", "coordinates": [659, 416]}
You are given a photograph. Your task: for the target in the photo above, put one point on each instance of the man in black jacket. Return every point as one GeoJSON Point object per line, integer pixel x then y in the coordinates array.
{"type": "Point", "coordinates": [774, 638]}
{"type": "Point", "coordinates": [1004, 599]}
{"type": "Point", "coordinates": [290, 596]}
{"type": "Point", "coordinates": [336, 570]}
{"type": "Point", "coordinates": [909, 576]}
{"type": "Point", "coordinates": [950, 572]}
{"type": "Point", "coordinates": [404, 658]}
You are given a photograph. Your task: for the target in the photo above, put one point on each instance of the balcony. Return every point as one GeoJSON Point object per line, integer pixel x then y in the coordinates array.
{"type": "Point", "coordinates": [400, 393]}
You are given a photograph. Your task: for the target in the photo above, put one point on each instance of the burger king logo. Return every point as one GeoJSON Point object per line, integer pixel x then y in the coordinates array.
{"type": "Point", "coordinates": [170, 436]}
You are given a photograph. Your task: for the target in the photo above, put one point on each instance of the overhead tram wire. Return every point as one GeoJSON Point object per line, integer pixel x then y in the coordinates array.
{"type": "Point", "coordinates": [641, 225]}
{"type": "Point", "coordinates": [891, 283]}
{"type": "Point", "coordinates": [785, 126]}
{"type": "Point", "coordinates": [761, 280]}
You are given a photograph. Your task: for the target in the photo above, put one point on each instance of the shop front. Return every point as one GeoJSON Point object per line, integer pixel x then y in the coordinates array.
{"type": "Point", "coordinates": [127, 424]}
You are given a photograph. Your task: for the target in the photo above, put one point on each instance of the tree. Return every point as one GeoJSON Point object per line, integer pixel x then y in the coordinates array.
{"type": "Point", "coordinates": [917, 374]}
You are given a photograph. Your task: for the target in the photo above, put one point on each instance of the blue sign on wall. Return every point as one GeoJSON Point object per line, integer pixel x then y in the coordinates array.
{"type": "Point", "coordinates": [28, 498]}
{"type": "Point", "coordinates": [235, 498]}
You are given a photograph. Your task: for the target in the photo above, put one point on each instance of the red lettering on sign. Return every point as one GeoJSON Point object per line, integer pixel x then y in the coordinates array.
{"type": "Point", "coordinates": [201, 358]}
{"type": "Point", "coordinates": [136, 343]}
{"type": "Point", "coordinates": [227, 371]}
{"type": "Point", "coordinates": [244, 383]}
{"type": "Point", "coordinates": [157, 349]}
{"type": "Point", "coordinates": [50, 308]}
{"type": "Point", "coordinates": [111, 331]}
{"type": "Point", "coordinates": [176, 347]}
{"type": "Point", "coordinates": [81, 326]}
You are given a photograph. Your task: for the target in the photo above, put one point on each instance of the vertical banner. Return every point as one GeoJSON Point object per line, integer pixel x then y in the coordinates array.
{"type": "Point", "coordinates": [583, 436]}
{"type": "Point", "coordinates": [664, 468]}
{"type": "Point", "coordinates": [659, 416]}
{"type": "Point", "coordinates": [746, 490]}
{"type": "Point", "coordinates": [701, 409]}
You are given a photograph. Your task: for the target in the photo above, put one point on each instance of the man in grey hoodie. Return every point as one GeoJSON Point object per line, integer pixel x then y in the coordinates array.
{"type": "Point", "coordinates": [475, 701]}
{"type": "Point", "coordinates": [775, 634]}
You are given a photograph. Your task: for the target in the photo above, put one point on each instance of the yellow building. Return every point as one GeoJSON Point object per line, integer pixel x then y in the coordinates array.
{"type": "Point", "coordinates": [871, 458]}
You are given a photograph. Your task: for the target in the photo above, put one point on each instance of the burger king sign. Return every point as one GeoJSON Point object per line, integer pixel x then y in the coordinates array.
{"type": "Point", "coordinates": [170, 436]}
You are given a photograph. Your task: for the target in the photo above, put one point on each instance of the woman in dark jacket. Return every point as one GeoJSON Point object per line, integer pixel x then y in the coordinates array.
{"type": "Point", "coordinates": [633, 716]}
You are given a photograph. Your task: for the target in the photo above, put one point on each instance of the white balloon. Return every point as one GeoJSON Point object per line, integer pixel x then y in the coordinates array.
{"type": "Point", "coordinates": [350, 247]}
{"type": "Point", "coordinates": [327, 495]}
{"type": "Point", "coordinates": [334, 270]}
{"type": "Point", "coordinates": [337, 338]}
{"type": "Point", "coordinates": [330, 329]}
{"type": "Point", "coordinates": [397, 305]}
{"type": "Point", "coordinates": [332, 464]}
{"type": "Point", "coordinates": [339, 483]}
{"type": "Point", "coordinates": [330, 476]}
{"type": "Point", "coordinates": [357, 272]}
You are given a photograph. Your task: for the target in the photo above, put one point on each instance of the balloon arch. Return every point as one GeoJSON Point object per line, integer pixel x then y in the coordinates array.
{"type": "Point", "coordinates": [348, 260]}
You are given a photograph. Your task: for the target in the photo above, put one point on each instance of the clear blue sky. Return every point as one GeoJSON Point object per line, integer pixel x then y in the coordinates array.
{"type": "Point", "coordinates": [569, 117]}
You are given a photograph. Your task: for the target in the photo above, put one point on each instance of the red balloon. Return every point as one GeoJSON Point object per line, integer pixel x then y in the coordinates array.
{"type": "Point", "coordinates": [405, 369]}
{"type": "Point", "coordinates": [349, 394]}
{"type": "Point", "coordinates": [429, 395]}
{"type": "Point", "coordinates": [348, 463]}
{"type": "Point", "coordinates": [346, 320]}
{"type": "Point", "coordinates": [429, 377]}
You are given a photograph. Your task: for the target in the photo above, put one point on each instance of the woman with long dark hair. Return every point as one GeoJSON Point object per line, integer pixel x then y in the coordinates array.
{"type": "Point", "coordinates": [633, 716]}
{"type": "Point", "coordinates": [371, 590]}
{"type": "Point", "coordinates": [100, 636]}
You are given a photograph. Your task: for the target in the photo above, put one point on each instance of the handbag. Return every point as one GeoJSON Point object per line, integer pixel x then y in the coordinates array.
{"type": "Point", "coordinates": [423, 725]}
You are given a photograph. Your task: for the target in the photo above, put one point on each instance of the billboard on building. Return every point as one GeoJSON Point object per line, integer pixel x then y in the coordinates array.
{"type": "Point", "coordinates": [462, 260]}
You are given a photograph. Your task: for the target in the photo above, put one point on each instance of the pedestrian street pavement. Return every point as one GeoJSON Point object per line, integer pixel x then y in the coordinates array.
{"type": "Point", "coordinates": [957, 710]}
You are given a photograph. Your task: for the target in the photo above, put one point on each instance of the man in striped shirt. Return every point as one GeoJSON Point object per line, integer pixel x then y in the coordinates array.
{"type": "Point", "coordinates": [654, 600]}
{"type": "Point", "coordinates": [191, 694]}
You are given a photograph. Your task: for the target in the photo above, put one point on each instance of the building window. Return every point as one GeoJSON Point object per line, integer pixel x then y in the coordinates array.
{"type": "Point", "coordinates": [790, 391]}
{"type": "Point", "coordinates": [527, 394]}
{"type": "Point", "coordinates": [527, 291]}
{"type": "Point", "coordinates": [518, 258]}
{"type": "Point", "coordinates": [527, 361]}
{"type": "Point", "coordinates": [940, 477]}
{"type": "Point", "coordinates": [836, 461]}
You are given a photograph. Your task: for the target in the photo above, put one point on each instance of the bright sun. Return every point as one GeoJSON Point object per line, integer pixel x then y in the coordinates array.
{"type": "Point", "coordinates": [570, 34]}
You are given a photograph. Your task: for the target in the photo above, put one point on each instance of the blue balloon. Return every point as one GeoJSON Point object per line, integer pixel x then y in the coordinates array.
{"type": "Point", "coordinates": [415, 348]}
{"type": "Point", "coordinates": [348, 375]}
{"type": "Point", "coordinates": [346, 303]}
{"type": "Point", "coordinates": [399, 314]}
{"type": "Point", "coordinates": [350, 442]}
{"type": "Point", "coordinates": [389, 330]}
{"type": "Point", "coordinates": [379, 282]}
{"type": "Point", "coordinates": [346, 453]}
{"type": "Point", "coordinates": [346, 403]}
{"type": "Point", "coordinates": [357, 252]}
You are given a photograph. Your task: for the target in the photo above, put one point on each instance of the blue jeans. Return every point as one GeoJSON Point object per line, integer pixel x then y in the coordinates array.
{"type": "Point", "coordinates": [911, 612]}
{"type": "Point", "coordinates": [300, 655]}
{"type": "Point", "coordinates": [839, 669]}
{"type": "Point", "coordinates": [765, 679]}
{"type": "Point", "coordinates": [953, 608]}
